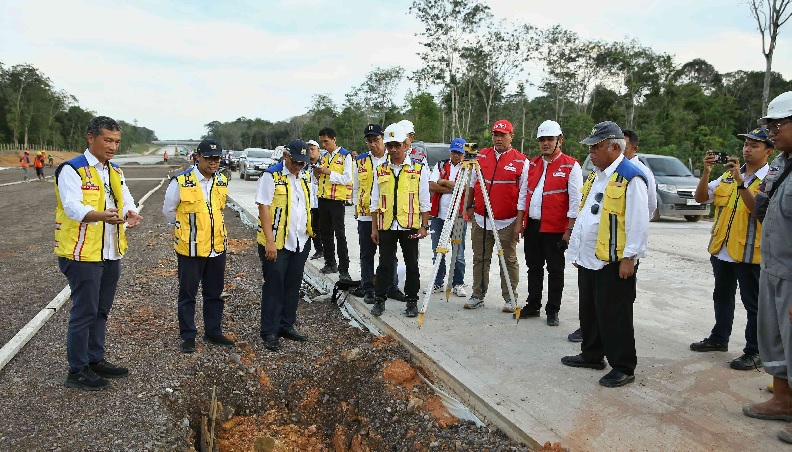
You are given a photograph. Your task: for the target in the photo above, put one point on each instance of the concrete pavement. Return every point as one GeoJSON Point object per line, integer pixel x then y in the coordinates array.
{"type": "Point", "coordinates": [511, 373]}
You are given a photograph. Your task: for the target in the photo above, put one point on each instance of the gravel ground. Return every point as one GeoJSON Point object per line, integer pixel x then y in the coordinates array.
{"type": "Point", "coordinates": [345, 389]}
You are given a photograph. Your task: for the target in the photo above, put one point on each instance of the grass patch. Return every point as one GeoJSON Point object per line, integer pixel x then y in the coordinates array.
{"type": "Point", "coordinates": [142, 148]}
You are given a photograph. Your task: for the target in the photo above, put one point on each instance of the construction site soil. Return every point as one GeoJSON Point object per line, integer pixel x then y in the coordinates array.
{"type": "Point", "coordinates": [344, 389]}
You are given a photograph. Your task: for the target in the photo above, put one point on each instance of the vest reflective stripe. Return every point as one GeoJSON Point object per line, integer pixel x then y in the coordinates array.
{"type": "Point", "coordinates": [336, 165]}
{"type": "Point", "coordinates": [555, 202]}
{"type": "Point", "coordinates": [83, 241]}
{"type": "Point", "coordinates": [734, 225]}
{"type": "Point", "coordinates": [399, 193]}
{"type": "Point", "coordinates": [200, 226]}
{"type": "Point", "coordinates": [281, 206]}
{"type": "Point", "coordinates": [502, 180]}
{"type": "Point", "coordinates": [365, 175]}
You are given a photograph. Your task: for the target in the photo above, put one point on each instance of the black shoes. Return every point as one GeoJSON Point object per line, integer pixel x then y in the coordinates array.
{"type": "Point", "coordinates": [329, 269]}
{"type": "Point", "coordinates": [378, 308]}
{"type": "Point", "coordinates": [293, 335]}
{"type": "Point", "coordinates": [614, 379]}
{"type": "Point", "coordinates": [86, 380]}
{"type": "Point", "coordinates": [577, 361]}
{"type": "Point", "coordinates": [368, 298]}
{"type": "Point", "coordinates": [108, 370]}
{"type": "Point", "coordinates": [577, 336]}
{"type": "Point", "coordinates": [748, 361]}
{"type": "Point", "coordinates": [412, 309]}
{"type": "Point", "coordinates": [397, 295]}
{"type": "Point", "coordinates": [552, 318]}
{"type": "Point", "coordinates": [344, 275]}
{"type": "Point", "coordinates": [317, 255]}
{"type": "Point", "coordinates": [219, 339]}
{"type": "Point", "coordinates": [188, 346]}
{"type": "Point", "coordinates": [527, 313]}
{"type": "Point", "coordinates": [271, 342]}
{"type": "Point", "coordinates": [708, 345]}
{"type": "Point", "coordinates": [359, 292]}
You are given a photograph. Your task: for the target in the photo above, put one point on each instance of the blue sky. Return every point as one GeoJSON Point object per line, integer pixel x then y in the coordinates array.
{"type": "Point", "coordinates": [175, 66]}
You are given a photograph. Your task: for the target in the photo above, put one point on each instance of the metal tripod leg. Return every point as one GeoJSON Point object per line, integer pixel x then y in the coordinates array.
{"type": "Point", "coordinates": [456, 241]}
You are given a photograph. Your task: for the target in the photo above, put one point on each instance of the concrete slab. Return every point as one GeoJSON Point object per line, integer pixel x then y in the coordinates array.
{"type": "Point", "coordinates": [511, 372]}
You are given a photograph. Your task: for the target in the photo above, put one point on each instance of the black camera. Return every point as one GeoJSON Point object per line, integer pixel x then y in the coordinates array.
{"type": "Point", "coordinates": [721, 158]}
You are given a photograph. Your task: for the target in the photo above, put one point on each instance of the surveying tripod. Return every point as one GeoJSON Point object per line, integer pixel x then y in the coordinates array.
{"type": "Point", "coordinates": [451, 234]}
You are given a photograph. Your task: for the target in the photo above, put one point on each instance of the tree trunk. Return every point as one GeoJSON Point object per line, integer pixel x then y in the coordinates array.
{"type": "Point", "coordinates": [766, 88]}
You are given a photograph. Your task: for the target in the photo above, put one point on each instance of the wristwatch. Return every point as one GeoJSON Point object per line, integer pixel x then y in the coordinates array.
{"type": "Point", "coordinates": [743, 186]}
{"type": "Point", "coordinates": [425, 226]}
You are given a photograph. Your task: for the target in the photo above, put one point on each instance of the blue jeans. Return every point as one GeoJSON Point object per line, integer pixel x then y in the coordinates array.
{"type": "Point", "coordinates": [459, 267]}
{"type": "Point", "coordinates": [727, 275]}
{"type": "Point", "coordinates": [367, 251]}
{"type": "Point", "coordinates": [280, 292]}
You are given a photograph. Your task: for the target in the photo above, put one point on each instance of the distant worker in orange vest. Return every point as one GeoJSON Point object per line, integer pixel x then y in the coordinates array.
{"type": "Point", "coordinates": [165, 156]}
{"type": "Point", "coordinates": [24, 162]}
{"type": "Point", "coordinates": [38, 163]}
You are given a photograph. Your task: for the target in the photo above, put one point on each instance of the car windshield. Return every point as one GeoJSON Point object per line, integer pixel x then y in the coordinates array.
{"type": "Point", "coordinates": [259, 154]}
{"type": "Point", "coordinates": [237, 153]}
{"type": "Point", "coordinates": [667, 167]}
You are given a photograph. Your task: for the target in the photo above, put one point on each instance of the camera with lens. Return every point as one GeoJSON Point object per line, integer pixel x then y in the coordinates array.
{"type": "Point", "coordinates": [721, 158]}
{"type": "Point", "coordinates": [471, 150]}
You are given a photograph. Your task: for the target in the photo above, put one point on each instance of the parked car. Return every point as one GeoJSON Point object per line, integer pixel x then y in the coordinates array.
{"type": "Point", "coordinates": [253, 162]}
{"type": "Point", "coordinates": [434, 152]}
{"type": "Point", "coordinates": [235, 156]}
{"type": "Point", "coordinates": [676, 187]}
{"type": "Point", "coordinates": [277, 154]}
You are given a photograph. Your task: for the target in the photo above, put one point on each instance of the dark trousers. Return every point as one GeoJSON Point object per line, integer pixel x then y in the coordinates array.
{"type": "Point", "coordinates": [541, 248]}
{"type": "Point", "coordinates": [210, 273]}
{"type": "Point", "coordinates": [606, 317]}
{"type": "Point", "coordinates": [367, 251]}
{"type": "Point", "coordinates": [93, 287]}
{"type": "Point", "coordinates": [331, 217]}
{"type": "Point", "coordinates": [727, 275]}
{"type": "Point", "coordinates": [387, 249]}
{"type": "Point", "coordinates": [316, 226]}
{"type": "Point", "coordinates": [280, 292]}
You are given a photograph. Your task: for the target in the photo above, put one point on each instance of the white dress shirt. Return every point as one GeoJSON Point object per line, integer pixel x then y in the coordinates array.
{"type": "Point", "coordinates": [424, 201]}
{"type": "Point", "coordinates": [347, 176]}
{"type": "Point", "coordinates": [574, 183]}
{"type": "Point", "coordinates": [297, 238]}
{"type": "Point", "coordinates": [583, 242]}
{"type": "Point", "coordinates": [70, 191]}
{"type": "Point", "coordinates": [723, 254]}
{"type": "Point", "coordinates": [376, 161]}
{"type": "Point", "coordinates": [651, 186]}
{"type": "Point", "coordinates": [499, 224]}
{"type": "Point", "coordinates": [173, 197]}
{"type": "Point", "coordinates": [445, 198]}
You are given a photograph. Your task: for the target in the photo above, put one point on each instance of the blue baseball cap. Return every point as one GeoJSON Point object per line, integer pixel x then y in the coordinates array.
{"type": "Point", "coordinates": [210, 148]}
{"type": "Point", "coordinates": [298, 151]}
{"type": "Point", "coordinates": [603, 131]}
{"type": "Point", "coordinates": [457, 145]}
{"type": "Point", "coordinates": [758, 134]}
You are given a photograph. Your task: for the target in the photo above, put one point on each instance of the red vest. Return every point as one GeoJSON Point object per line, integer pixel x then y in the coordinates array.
{"type": "Point", "coordinates": [444, 167]}
{"type": "Point", "coordinates": [555, 198]}
{"type": "Point", "coordinates": [502, 179]}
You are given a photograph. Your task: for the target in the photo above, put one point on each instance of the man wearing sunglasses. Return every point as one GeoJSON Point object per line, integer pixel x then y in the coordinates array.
{"type": "Point", "coordinates": [773, 205]}
{"type": "Point", "coordinates": [609, 235]}
{"type": "Point", "coordinates": [194, 204]}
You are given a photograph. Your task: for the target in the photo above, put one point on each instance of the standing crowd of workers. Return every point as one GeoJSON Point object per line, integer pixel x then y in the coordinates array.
{"type": "Point", "coordinates": [599, 223]}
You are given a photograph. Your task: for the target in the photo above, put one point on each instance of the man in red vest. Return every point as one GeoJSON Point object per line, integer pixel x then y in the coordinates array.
{"type": "Point", "coordinates": [502, 170]}
{"type": "Point", "coordinates": [551, 195]}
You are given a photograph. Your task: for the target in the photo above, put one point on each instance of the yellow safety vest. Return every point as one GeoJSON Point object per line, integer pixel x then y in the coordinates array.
{"type": "Point", "coordinates": [336, 165]}
{"type": "Point", "coordinates": [734, 223]}
{"type": "Point", "coordinates": [400, 194]}
{"type": "Point", "coordinates": [279, 210]}
{"type": "Point", "coordinates": [200, 225]}
{"type": "Point", "coordinates": [83, 241]}
{"type": "Point", "coordinates": [612, 236]}
{"type": "Point", "coordinates": [365, 175]}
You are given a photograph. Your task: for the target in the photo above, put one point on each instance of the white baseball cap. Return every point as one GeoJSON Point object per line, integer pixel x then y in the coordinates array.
{"type": "Point", "coordinates": [395, 133]}
{"type": "Point", "coordinates": [313, 142]}
{"type": "Point", "coordinates": [407, 125]}
{"type": "Point", "coordinates": [780, 107]}
{"type": "Point", "coordinates": [548, 129]}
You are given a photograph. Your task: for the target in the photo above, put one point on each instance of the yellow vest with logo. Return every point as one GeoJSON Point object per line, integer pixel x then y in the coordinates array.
{"type": "Point", "coordinates": [336, 165]}
{"type": "Point", "coordinates": [280, 208]}
{"type": "Point", "coordinates": [612, 236]}
{"type": "Point", "coordinates": [399, 196]}
{"type": "Point", "coordinates": [365, 175]}
{"type": "Point", "coordinates": [200, 225]}
{"type": "Point", "coordinates": [83, 241]}
{"type": "Point", "coordinates": [734, 224]}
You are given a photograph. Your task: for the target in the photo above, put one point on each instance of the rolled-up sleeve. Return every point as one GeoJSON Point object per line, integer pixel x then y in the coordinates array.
{"type": "Point", "coordinates": [129, 201]}
{"type": "Point", "coordinates": [265, 189]}
{"type": "Point", "coordinates": [172, 200]}
{"type": "Point", "coordinates": [424, 198]}
{"type": "Point", "coordinates": [375, 195]}
{"type": "Point", "coordinates": [71, 194]}
{"type": "Point", "coordinates": [523, 196]}
{"type": "Point", "coordinates": [635, 219]}
{"type": "Point", "coordinates": [346, 177]}
{"type": "Point", "coordinates": [573, 190]}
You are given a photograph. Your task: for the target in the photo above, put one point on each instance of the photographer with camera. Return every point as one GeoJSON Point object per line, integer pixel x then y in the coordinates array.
{"type": "Point", "coordinates": [734, 246]}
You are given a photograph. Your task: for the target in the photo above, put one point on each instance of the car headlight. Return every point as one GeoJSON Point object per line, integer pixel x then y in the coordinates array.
{"type": "Point", "coordinates": [668, 188]}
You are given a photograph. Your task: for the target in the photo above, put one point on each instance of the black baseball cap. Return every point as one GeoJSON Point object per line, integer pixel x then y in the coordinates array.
{"type": "Point", "coordinates": [373, 129]}
{"type": "Point", "coordinates": [210, 148]}
{"type": "Point", "coordinates": [603, 131]}
{"type": "Point", "coordinates": [298, 151]}
{"type": "Point", "coordinates": [758, 134]}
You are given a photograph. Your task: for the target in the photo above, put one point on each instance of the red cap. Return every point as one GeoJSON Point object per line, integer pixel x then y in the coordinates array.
{"type": "Point", "coordinates": [503, 126]}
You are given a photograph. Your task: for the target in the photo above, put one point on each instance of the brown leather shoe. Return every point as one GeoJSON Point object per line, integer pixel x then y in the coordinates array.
{"type": "Point", "coordinates": [778, 408]}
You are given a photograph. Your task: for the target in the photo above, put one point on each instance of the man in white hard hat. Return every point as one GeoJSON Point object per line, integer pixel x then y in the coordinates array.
{"type": "Point", "coordinates": [773, 206]}
{"type": "Point", "coordinates": [551, 195]}
{"type": "Point", "coordinates": [413, 153]}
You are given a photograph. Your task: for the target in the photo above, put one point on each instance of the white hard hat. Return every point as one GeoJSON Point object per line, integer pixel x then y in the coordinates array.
{"type": "Point", "coordinates": [780, 107]}
{"type": "Point", "coordinates": [395, 133]}
{"type": "Point", "coordinates": [548, 129]}
{"type": "Point", "coordinates": [407, 125]}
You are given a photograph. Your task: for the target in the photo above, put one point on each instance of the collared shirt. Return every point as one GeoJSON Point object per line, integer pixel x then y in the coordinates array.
{"type": "Point", "coordinates": [69, 183]}
{"type": "Point", "coordinates": [297, 238]}
{"type": "Point", "coordinates": [651, 186]}
{"type": "Point", "coordinates": [583, 242]}
{"type": "Point", "coordinates": [574, 184]}
{"type": "Point", "coordinates": [499, 224]}
{"type": "Point", "coordinates": [424, 201]}
{"type": "Point", "coordinates": [723, 254]}
{"type": "Point", "coordinates": [445, 198]}
{"type": "Point", "coordinates": [375, 161]}
{"type": "Point", "coordinates": [173, 197]}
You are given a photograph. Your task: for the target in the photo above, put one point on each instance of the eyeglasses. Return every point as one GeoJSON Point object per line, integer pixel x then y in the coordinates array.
{"type": "Point", "coordinates": [215, 158]}
{"type": "Point", "coordinates": [777, 126]}
{"type": "Point", "coordinates": [595, 207]}
{"type": "Point", "coordinates": [393, 145]}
